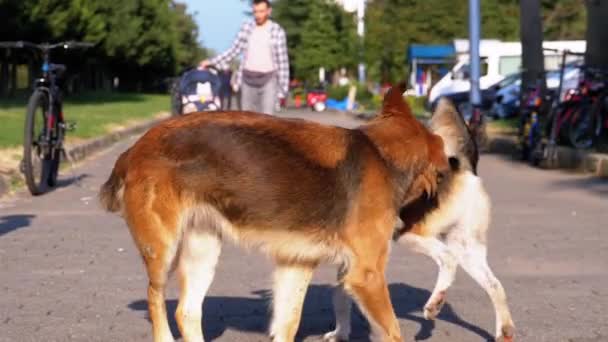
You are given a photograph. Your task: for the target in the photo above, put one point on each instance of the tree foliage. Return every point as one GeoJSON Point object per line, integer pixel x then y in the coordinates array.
{"type": "Point", "coordinates": [136, 39]}
{"type": "Point", "coordinates": [319, 34]}
{"type": "Point", "coordinates": [564, 19]}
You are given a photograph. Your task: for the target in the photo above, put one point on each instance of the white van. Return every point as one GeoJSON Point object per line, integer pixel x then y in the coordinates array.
{"type": "Point", "coordinates": [498, 59]}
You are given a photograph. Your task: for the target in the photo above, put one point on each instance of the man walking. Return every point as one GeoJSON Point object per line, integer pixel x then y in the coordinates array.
{"type": "Point", "coordinates": [263, 75]}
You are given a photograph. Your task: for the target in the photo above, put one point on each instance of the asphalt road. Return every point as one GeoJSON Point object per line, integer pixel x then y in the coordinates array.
{"type": "Point", "coordinates": [69, 271]}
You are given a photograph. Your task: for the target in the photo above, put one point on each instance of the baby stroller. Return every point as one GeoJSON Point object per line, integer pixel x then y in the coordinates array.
{"type": "Point", "coordinates": [196, 91]}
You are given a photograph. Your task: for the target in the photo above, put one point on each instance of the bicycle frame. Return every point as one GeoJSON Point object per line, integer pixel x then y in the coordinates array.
{"type": "Point", "coordinates": [51, 110]}
{"type": "Point", "coordinates": [557, 100]}
{"type": "Point", "coordinates": [573, 99]}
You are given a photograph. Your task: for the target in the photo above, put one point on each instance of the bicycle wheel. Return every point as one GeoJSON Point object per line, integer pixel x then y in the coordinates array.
{"type": "Point", "coordinates": [55, 160]}
{"type": "Point", "coordinates": [581, 128]}
{"type": "Point", "coordinates": [36, 157]}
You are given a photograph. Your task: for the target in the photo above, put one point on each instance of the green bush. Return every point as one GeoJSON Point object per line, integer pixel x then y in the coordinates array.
{"type": "Point", "coordinates": [298, 91]}
{"type": "Point", "coordinates": [376, 102]}
{"type": "Point", "coordinates": [364, 97]}
{"type": "Point", "coordinates": [417, 104]}
{"type": "Point", "coordinates": [363, 93]}
{"type": "Point", "coordinates": [337, 92]}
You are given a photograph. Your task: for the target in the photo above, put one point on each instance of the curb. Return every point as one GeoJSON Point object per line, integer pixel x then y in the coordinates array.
{"type": "Point", "coordinates": [566, 158]}
{"type": "Point", "coordinates": [81, 151]}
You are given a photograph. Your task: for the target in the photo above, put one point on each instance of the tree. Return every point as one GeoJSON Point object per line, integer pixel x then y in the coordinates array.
{"type": "Point", "coordinates": [319, 46]}
{"type": "Point", "coordinates": [563, 19]}
{"type": "Point", "coordinates": [533, 61]}
{"type": "Point", "coordinates": [319, 34]}
{"type": "Point", "coordinates": [140, 41]}
{"type": "Point", "coordinates": [597, 35]}
{"type": "Point", "coordinates": [188, 50]}
{"type": "Point", "coordinates": [290, 14]}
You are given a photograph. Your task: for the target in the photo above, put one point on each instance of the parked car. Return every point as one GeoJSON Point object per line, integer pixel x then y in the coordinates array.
{"type": "Point", "coordinates": [498, 59]}
{"type": "Point", "coordinates": [506, 99]}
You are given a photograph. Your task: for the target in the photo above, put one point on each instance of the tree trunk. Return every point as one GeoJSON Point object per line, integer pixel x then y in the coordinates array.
{"type": "Point", "coordinates": [4, 74]}
{"type": "Point", "coordinates": [597, 35]}
{"type": "Point", "coordinates": [13, 88]}
{"type": "Point", "coordinates": [31, 72]}
{"type": "Point", "coordinates": [531, 32]}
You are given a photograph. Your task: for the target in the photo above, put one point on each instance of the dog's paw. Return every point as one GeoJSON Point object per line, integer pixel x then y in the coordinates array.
{"type": "Point", "coordinates": [505, 339]}
{"type": "Point", "coordinates": [506, 334]}
{"type": "Point", "coordinates": [432, 308]}
{"type": "Point", "coordinates": [335, 336]}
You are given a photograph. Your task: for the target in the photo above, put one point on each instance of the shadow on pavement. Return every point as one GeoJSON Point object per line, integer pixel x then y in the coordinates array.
{"type": "Point", "coordinates": [253, 314]}
{"type": "Point", "coordinates": [594, 185]}
{"type": "Point", "coordinates": [14, 222]}
{"type": "Point", "coordinates": [64, 182]}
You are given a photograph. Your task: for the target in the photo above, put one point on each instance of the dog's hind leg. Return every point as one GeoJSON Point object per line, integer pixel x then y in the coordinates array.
{"type": "Point", "coordinates": [342, 308]}
{"type": "Point", "coordinates": [157, 245]}
{"type": "Point", "coordinates": [198, 258]}
{"type": "Point", "coordinates": [158, 270]}
{"type": "Point", "coordinates": [290, 286]}
{"type": "Point", "coordinates": [446, 261]}
{"type": "Point", "coordinates": [472, 255]}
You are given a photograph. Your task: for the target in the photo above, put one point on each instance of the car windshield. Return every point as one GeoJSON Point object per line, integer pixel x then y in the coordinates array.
{"type": "Point", "coordinates": [509, 79]}
{"type": "Point", "coordinates": [556, 73]}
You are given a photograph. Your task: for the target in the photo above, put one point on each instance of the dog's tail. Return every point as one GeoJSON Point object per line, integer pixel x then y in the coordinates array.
{"type": "Point", "coordinates": [110, 194]}
{"type": "Point", "coordinates": [460, 146]}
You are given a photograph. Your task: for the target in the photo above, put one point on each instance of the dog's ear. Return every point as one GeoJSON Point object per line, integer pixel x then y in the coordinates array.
{"type": "Point", "coordinates": [457, 138]}
{"type": "Point", "coordinates": [394, 103]}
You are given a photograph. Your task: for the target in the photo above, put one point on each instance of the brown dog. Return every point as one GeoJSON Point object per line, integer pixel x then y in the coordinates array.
{"type": "Point", "coordinates": [301, 192]}
{"type": "Point", "coordinates": [450, 228]}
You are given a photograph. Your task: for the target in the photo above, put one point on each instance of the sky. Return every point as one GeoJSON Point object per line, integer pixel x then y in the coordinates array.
{"type": "Point", "coordinates": [218, 21]}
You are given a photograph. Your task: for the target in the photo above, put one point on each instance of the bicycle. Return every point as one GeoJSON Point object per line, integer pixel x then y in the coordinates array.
{"type": "Point", "coordinates": [561, 111]}
{"type": "Point", "coordinates": [589, 119]}
{"type": "Point", "coordinates": [45, 126]}
{"type": "Point", "coordinates": [532, 120]}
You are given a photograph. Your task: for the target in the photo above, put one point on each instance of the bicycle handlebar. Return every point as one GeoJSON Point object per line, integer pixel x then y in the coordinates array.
{"type": "Point", "coordinates": [45, 46]}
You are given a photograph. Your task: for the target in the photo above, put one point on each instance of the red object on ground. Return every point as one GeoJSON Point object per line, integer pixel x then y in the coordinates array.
{"type": "Point", "coordinates": [314, 97]}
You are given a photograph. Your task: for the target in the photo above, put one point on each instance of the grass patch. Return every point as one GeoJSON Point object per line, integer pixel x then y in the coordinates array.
{"type": "Point", "coordinates": [506, 126]}
{"type": "Point", "coordinates": [95, 113]}
{"type": "Point", "coordinates": [417, 105]}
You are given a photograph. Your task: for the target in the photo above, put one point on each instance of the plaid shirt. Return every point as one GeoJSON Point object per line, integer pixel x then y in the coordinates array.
{"type": "Point", "coordinates": [240, 46]}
